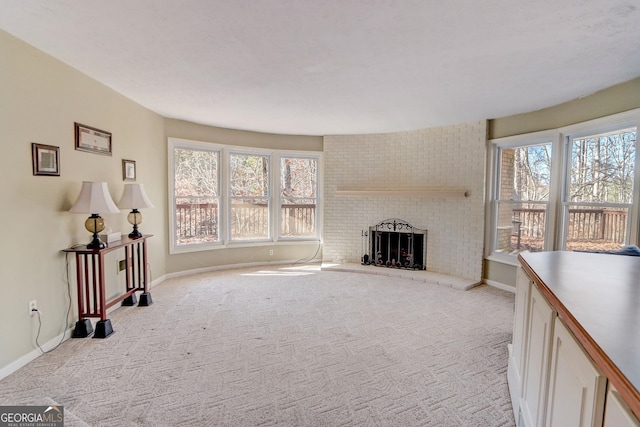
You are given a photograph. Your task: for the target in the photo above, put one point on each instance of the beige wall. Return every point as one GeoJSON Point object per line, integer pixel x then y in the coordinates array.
{"type": "Point", "coordinates": [217, 135]}
{"type": "Point", "coordinates": [41, 99]}
{"type": "Point", "coordinates": [500, 273]}
{"type": "Point", "coordinates": [616, 99]}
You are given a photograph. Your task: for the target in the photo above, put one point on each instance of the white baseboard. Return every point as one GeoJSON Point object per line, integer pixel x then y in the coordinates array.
{"type": "Point", "coordinates": [157, 281]}
{"type": "Point", "coordinates": [5, 371]}
{"type": "Point", "coordinates": [500, 285]}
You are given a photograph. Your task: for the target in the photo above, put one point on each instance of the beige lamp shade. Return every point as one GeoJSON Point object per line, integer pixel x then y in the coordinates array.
{"type": "Point", "coordinates": [134, 197]}
{"type": "Point", "coordinates": [94, 198]}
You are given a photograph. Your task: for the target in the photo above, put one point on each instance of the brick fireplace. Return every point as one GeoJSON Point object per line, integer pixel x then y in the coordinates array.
{"type": "Point", "coordinates": [446, 157]}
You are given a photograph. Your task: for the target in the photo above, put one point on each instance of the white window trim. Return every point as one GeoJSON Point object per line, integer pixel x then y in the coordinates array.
{"type": "Point", "coordinates": [595, 127]}
{"type": "Point", "coordinates": [225, 206]}
{"type": "Point", "coordinates": [299, 155]}
{"type": "Point", "coordinates": [246, 151]}
{"type": "Point", "coordinates": [554, 236]}
{"type": "Point", "coordinates": [172, 144]}
{"type": "Point", "coordinates": [537, 138]}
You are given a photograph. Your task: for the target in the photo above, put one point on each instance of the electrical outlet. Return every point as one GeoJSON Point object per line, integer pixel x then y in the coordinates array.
{"type": "Point", "coordinates": [270, 252]}
{"type": "Point", "coordinates": [33, 307]}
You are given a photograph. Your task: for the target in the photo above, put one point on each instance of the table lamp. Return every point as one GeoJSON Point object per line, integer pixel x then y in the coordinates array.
{"type": "Point", "coordinates": [94, 199]}
{"type": "Point", "coordinates": [134, 198]}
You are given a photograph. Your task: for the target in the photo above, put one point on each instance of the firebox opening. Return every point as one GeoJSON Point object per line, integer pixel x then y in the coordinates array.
{"type": "Point", "coordinates": [396, 244]}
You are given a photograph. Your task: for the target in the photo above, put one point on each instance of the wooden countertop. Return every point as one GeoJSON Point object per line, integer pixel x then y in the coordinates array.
{"type": "Point", "coordinates": [598, 298]}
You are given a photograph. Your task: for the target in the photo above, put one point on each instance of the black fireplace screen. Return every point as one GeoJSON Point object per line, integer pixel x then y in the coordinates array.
{"type": "Point", "coordinates": [395, 243]}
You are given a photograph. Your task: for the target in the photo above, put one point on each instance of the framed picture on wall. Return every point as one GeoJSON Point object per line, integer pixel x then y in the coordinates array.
{"type": "Point", "coordinates": [128, 170]}
{"type": "Point", "coordinates": [45, 159]}
{"type": "Point", "coordinates": [92, 140]}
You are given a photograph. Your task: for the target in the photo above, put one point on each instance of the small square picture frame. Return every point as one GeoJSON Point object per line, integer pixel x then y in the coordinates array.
{"type": "Point", "coordinates": [128, 170]}
{"type": "Point", "coordinates": [45, 159]}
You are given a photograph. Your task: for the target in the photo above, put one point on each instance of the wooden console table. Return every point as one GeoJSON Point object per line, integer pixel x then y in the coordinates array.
{"type": "Point", "coordinates": [90, 279]}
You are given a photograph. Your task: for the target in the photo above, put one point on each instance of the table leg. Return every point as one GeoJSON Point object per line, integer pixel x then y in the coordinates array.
{"type": "Point", "coordinates": [83, 326]}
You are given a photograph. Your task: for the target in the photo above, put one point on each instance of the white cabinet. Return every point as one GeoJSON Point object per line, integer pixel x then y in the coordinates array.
{"type": "Point", "coordinates": [576, 385]}
{"type": "Point", "coordinates": [617, 413]}
{"type": "Point", "coordinates": [536, 365]}
{"type": "Point", "coordinates": [553, 381]}
{"type": "Point", "coordinates": [517, 348]}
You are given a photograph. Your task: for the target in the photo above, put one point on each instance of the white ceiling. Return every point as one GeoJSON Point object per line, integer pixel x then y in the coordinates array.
{"type": "Point", "coordinates": [320, 67]}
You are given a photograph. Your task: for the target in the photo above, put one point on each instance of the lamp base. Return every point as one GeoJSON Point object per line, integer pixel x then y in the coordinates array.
{"type": "Point", "coordinates": [135, 234]}
{"type": "Point", "coordinates": [135, 218]}
{"type": "Point", "coordinates": [96, 243]}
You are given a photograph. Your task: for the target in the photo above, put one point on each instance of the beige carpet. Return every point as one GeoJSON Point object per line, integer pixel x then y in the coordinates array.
{"type": "Point", "coordinates": [290, 347]}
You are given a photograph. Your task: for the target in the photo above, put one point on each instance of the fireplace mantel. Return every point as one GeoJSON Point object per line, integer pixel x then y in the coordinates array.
{"type": "Point", "coordinates": [411, 192]}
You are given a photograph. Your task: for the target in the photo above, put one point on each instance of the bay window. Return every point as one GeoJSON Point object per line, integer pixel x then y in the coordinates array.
{"type": "Point", "coordinates": [223, 196]}
{"type": "Point", "coordinates": [572, 188]}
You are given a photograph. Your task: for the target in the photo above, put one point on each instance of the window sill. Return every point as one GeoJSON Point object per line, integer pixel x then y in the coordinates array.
{"type": "Point", "coordinates": [504, 259]}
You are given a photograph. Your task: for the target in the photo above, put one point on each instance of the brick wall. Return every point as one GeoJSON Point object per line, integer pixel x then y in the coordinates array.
{"type": "Point", "coordinates": [505, 214]}
{"type": "Point", "coordinates": [449, 157]}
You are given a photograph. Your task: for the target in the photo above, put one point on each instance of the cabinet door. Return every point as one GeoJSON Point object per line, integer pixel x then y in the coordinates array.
{"type": "Point", "coordinates": [576, 385]}
{"type": "Point", "coordinates": [536, 366]}
{"type": "Point", "coordinates": [617, 413]}
{"type": "Point", "coordinates": [517, 353]}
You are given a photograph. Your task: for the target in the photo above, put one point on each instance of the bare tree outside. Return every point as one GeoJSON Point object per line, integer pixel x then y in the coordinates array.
{"type": "Point", "coordinates": [598, 199]}
{"type": "Point", "coordinates": [600, 190]}
{"type": "Point", "coordinates": [602, 168]}
{"type": "Point", "coordinates": [532, 166]}
{"type": "Point", "coordinates": [298, 188]}
{"type": "Point", "coordinates": [299, 177]}
{"type": "Point", "coordinates": [525, 177]}
{"type": "Point", "coordinates": [197, 195]}
{"type": "Point", "coordinates": [249, 196]}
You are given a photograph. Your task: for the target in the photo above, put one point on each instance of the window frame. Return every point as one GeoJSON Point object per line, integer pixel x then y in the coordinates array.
{"type": "Point", "coordinates": [279, 218]}
{"type": "Point", "coordinates": [617, 123]}
{"type": "Point", "coordinates": [176, 143]}
{"type": "Point", "coordinates": [224, 209]}
{"type": "Point", "coordinates": [520, 141]}
{"type": "Point", "coordinates": [560, 138]}
{"type": "Point", "coordinates": [242, 151]}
